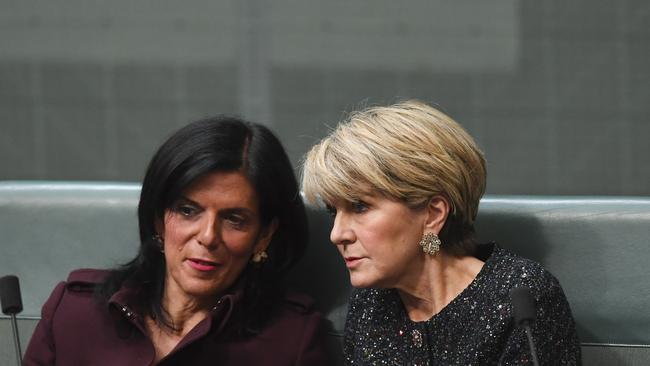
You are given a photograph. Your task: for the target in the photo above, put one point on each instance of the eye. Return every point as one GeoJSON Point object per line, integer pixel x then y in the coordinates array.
{"type": "Point", "coordinates": [359, 206]}
{"type": "Point", "coordinates": [331, 210]}
{"type": "Point", "coordinates": [236, 221]}
{"type": "Point", "coordinates": [186, 210]}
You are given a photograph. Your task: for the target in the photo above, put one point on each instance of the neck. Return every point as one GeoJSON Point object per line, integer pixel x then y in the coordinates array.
{"type": "Point", "coordinates": [434, 282]}
{"type": "Point", "coordinates": [184, 314]}
{"type": "Point", "coordinates": [184, 310]}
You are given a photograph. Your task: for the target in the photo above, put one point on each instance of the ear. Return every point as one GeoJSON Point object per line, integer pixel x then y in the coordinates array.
{"type": "Point", "coordinates": [265, 236]}
{"type": "Point", "coordinates": [437, 211]}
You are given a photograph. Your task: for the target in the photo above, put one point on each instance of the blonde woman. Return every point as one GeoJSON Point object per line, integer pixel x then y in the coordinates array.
{"type": "Point", "coordinates": [403, 184]}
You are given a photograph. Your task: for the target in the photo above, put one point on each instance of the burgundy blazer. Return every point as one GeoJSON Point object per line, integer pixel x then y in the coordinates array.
{"type": "Point", "coordinates": [76, 329]}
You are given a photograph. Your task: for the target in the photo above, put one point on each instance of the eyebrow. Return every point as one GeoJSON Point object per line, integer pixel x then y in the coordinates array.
{"type": "Point", "coordinates": [183, 199]}
{"type": "Point", "coordinates": [229, 210]}
{"type": "Point", "coordinates": [237, 210]}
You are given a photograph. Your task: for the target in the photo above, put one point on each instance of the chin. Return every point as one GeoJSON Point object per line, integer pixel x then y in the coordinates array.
{"type": "Point", "coordinates": [362, 282]}
{"type": "Point", "coordinates": [202, 290]}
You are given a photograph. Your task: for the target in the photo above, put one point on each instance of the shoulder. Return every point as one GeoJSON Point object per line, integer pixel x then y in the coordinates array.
{"type": "Point", "coordinates": [294, 321]}
{"type": "Point", "coordinates": [73, 294]}
{"type": "Point", "coordinates": [88, 275]}
{"type": "Point", "coordinates": [79, 280]}
{"type": "Point", "coordinates": [85, 279]}
{"type": "Point", "coordinates": [511, 270]}
{"type": "Point", "coordinates": [295, 332]}
{"type": "Point", "coordinates": [298, 302]}
{"type": "Point", "coordinates": [80, 285]}
{"type": "Point", "coordinates": [295, 310]}
{"type": "Point", "coordinates": [554, 327]}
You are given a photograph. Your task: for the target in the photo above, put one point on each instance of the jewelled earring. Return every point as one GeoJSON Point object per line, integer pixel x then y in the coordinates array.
{"type": "Point", "coordinates": [430, 243]}
{"type": "Point", "coordinates": [260, 257]}
{"type": "Point", "coordinates": [161, 243]}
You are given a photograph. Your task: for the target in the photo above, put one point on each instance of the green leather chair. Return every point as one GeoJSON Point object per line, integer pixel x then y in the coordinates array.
{"type": "Point", "coordinates": [598, 247]}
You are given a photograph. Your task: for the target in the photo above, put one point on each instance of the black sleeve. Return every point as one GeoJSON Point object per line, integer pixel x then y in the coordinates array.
{"type": "Point", "coordinates": [554, 331]}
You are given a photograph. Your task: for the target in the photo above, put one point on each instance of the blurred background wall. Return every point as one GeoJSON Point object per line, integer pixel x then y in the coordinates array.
{"type": "Point", "coordinates": [557, 93]}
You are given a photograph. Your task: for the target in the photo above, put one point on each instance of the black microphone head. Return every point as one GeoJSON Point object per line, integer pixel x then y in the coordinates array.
{"type": "Point", "coordinates": [10, 295]}
{"type": "Point", "coordinates": [523, 305]}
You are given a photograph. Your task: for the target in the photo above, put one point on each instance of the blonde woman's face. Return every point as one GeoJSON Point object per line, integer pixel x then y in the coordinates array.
{"type": "Point", "coordinates": [378, 239]}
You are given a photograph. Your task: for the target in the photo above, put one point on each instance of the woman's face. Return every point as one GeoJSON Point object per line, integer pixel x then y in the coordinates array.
{"type": "Point", "coordinates": [210, 234]}
{"type": "Point", "coordinates": [379, 240]}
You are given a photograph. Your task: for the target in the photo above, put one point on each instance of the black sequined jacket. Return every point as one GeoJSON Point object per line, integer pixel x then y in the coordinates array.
{"type": "Point", "coordinates": [476, 328]}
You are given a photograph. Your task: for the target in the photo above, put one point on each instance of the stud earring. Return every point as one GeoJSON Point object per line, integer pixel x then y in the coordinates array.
{"type": "Point", "coordinates": [430, 243]}
{"type": "Point", "coordinates": [260, 257]}
{"type": "Point", "coordinates": [161, 243]}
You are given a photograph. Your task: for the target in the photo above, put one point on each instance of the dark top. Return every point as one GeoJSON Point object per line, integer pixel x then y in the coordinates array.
{"type": "Point", "coordinates": [476, 328]}
{"type": "Point", "coordinates": [77, 329]}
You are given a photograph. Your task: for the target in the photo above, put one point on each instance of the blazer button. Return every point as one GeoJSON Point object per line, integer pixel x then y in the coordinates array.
{"type": "Point", "coordinates": [217, 305]}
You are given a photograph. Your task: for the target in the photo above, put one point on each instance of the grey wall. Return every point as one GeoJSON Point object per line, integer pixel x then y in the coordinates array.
{"type": "Point", "coordinates": [555, 92]}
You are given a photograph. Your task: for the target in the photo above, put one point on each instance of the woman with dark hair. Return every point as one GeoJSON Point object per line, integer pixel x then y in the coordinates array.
{"type": "Point", "coordinates": [221, 222]}
{"type": "Point", "coordinates": [403, 183]}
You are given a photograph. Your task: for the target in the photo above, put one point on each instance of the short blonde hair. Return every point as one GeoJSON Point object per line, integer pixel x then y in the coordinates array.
{"type": "Point", "coordinates": [408, 151]}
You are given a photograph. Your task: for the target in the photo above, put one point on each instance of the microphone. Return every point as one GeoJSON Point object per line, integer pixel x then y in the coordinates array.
{"type": "Point", "coordinates": [12, 304]}
{"type": "Point", "coordinates": [523, 308]}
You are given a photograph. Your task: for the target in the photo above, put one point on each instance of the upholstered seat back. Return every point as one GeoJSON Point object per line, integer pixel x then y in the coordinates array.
{"type": "Point", "coordinates": [598, 247]}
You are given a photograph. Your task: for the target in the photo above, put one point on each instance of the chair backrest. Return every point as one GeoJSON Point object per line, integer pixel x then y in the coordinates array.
{"type": "Point", "coordinates": [598, 248]}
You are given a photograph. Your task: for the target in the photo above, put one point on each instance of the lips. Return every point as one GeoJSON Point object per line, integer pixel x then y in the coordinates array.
{"type": "Point", "coordinates": [203, 265]}
{"type": "Point", "coordinates": [352, 262]}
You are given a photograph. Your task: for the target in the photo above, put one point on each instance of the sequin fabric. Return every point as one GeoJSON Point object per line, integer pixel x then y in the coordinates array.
{"type": "Point", "coordinates": [476, 328]}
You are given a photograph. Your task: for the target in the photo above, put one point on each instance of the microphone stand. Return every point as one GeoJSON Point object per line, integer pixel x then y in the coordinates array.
{"type": "Point", "coordinates": [14, 327]}
{"type": "Point", "coordinates": [531, 343]}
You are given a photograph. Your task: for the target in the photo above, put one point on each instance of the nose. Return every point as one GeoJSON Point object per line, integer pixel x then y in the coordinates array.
{"type": "Point", "coordinates": [342, 233]}
{"type": "Point", "coordinates": [208, 232]}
